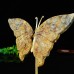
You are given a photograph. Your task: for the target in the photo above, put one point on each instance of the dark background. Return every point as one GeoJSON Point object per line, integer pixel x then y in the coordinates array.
{"type": "Point", "coordinates": [28, 10]}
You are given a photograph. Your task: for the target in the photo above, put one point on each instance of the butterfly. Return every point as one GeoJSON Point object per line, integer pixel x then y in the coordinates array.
{"type": "Point", "coordinates": [41, 41]}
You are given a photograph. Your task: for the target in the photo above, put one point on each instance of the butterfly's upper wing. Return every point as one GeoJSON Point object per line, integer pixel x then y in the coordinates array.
{"type": "Point", "coordinates": [47, 34]}
{"type": "Point", "coordinates": [23, 33]}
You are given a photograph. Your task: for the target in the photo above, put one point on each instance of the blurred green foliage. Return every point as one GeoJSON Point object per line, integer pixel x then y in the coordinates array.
{"type": "Point", "coordinates": [9, 50]}
{"type": "Point", "coordinates": [9, 54]}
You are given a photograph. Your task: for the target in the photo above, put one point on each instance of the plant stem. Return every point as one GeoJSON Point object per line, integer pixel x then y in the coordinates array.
{"type": "Point", "coordinates": [36, 67]}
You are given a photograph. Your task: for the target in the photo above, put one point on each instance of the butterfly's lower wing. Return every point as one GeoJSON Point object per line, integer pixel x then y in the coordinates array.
{"type": "Point", "coordinates": [23, 33]}
{"type": "Point", "coordinates": [47, 34]}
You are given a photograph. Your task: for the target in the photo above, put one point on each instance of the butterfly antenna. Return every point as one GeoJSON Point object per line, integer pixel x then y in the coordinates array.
{"type": "Point", "coordinates": [36, 22]}
{"type": "Point", "coordinates": [40, 21]}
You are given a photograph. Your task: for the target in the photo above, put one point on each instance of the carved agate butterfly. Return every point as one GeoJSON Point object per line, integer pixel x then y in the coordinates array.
{"type": "Point", "coordinates": [44, 37]}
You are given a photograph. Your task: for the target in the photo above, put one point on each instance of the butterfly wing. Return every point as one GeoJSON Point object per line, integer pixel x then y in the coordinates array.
{"type": "Point", "coordinates": [23, 33]}
{"type": "Point", "coordinates": [47, 34]}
